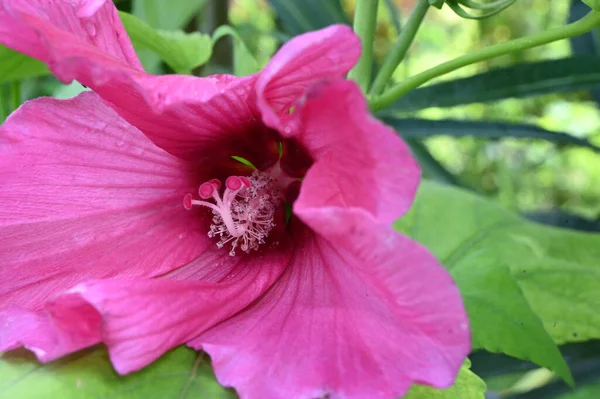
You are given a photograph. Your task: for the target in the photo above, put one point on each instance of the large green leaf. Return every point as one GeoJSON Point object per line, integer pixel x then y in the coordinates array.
{"type": "Point", "coordinates": [466, 386]}
{"type": "Point", "coordinates": [181, 51]}
{"type": "Point", "coordinates": [410, 128]}
{"type": "Point", "coordinates": [557, 270]}
{"type": "Point", "coordinates": [563, 75]}
{"type": "Point", "coordinates": [16, 66]}
{"type": "Point", "coordinates": [298, 17]}
{"type": "Point", "coordinates": [88, 374]}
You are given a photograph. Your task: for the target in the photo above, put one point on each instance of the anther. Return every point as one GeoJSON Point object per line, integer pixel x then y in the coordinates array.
{"type": "Point", "coordinates": [206, 190]}
{"type": "Point", "coordinates": [243, 215]}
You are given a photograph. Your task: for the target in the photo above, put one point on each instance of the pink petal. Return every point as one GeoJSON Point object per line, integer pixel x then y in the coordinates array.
{"type": "Point", "coordinates": [324, 54]}
{"type": "Point", "coordinates": [361, 314]}
{"type": "Point", "coordinates": [85, 195]}
{"type": "Point", "coordinates": [193, 118]}
{"type": "Point", "coordinates": [206, 119]}
{"type": "Point", "coordinates": [359, 162]}
{"type": "Point", "coordinates": [142, 319]}
{"type": "Point", "coordinates": [88, 8]}
{"type": "Point", "coordinates": [26, 25]}
{"type": "Point", "coordinates": [63, 327]}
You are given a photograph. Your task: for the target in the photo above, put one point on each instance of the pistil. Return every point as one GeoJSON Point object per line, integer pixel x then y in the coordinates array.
{"type": "Point", "coordinates": [244, 215]}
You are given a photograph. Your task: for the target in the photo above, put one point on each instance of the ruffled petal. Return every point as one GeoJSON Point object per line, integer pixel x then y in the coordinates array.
{"type": "Point", "coordinates": [205, 119]}
{"type": "Point", "coordinates": [359, 315]}
{"type": "Point", "coordinates": [324, 54]}
{"type": "Point", "coordinates": [142, 319]}
{"type": "Point", "coordinates": [85, 195]}
{"type": "Point", "coordinates": [358, 161]}
{"type": "Point", "coordinates": [26, 26]}
{"type": "Point", "coordinates": [64, 326]}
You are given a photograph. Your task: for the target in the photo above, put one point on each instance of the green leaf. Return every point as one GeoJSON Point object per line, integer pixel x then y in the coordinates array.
{"type": "Point", "coordinates": [486, 10]}
{"type": "Point", "coordinates": [181, 51]}
{"type": "Point", "coordinates": [563, 75]}
{"type": "Point", "coordinates": [16, 66]}
{"type": "Point", "coordinates": [302, 16]}
{"type": "Point", "coordinates": [557, 269]}
{"type": "Point", "coordinates": [244, 62]}
{"type": "Point", "coordinates": [422, 128]}
{"type": "Point", "coordinates": [466, 386]}
{"type": "Point", "coordinates": [181, 373]}
{"type": "Point", "coordinates": [553, 274]}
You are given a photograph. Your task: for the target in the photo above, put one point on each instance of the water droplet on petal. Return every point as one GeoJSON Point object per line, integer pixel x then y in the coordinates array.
{"type": "Point", "coordinates": [90, 27]}
{"type": "Point", "coordinates": [287, 129]}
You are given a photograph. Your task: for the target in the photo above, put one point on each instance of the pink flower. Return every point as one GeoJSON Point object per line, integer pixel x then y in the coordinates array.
{"type": "Point", "coordinates": [124, 218]}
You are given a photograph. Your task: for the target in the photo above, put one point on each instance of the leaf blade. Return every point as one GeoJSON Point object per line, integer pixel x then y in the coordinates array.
{"type": "Point", "coordinates": [476, 239]}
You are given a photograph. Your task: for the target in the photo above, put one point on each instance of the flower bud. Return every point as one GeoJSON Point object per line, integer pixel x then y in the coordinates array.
{"type": "Point", "coordinates": [483, 9]}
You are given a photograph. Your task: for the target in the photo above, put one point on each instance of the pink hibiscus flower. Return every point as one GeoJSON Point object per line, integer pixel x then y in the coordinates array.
{"type": "Point", "coordinates": [125, 220]}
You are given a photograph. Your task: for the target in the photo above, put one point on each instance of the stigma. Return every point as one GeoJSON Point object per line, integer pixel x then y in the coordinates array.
{"type": "Point", "coordinates": [243, 216]}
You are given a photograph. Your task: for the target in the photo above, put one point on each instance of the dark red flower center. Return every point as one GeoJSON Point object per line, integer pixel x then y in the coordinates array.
{"type": "Point", "coordinates": [246, 209]}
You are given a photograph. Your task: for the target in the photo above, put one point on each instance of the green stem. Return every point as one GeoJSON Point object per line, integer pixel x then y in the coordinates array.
{"type": "Point", "coordinates": [15, 95]}
{"type": "Point", "coordinates": [365, 20]}
{"type": "Point", "coordinates": [4, 103]}
{"type": "Point", "coordinates": [587, 23]}
{"type": "Point", "coordinates": [398, 52]}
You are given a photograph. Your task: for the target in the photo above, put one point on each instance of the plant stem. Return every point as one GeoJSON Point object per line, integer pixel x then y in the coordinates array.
{"type": "Point", "coordinates": [15, 95]}
{"type": "Point", "coordinates": [4, 101]}
{"type": "Point", "coordinates": [365, 20]}
{"type": "Point", "coordinates": [398, 52]}
{"type": "Point", "coordinates": [215, 14]}
{"type": "Point", "coordinates": [587, 23]}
